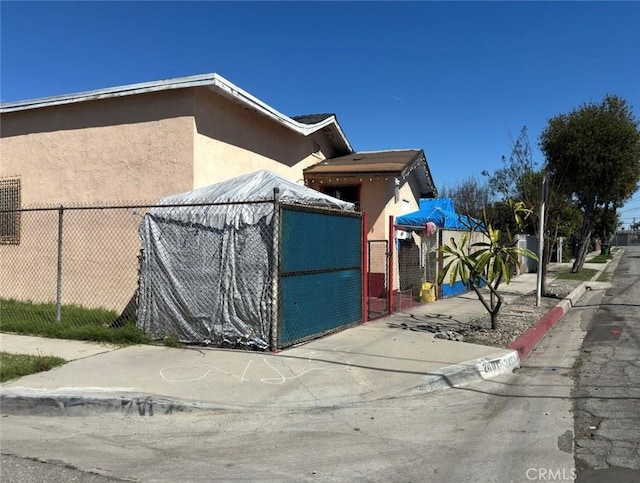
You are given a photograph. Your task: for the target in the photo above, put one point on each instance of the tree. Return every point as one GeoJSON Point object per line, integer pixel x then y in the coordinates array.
{"type": "Point", "coordinates": [606, 221]}
{"type": "Point", "coordinates": [520, 180]}
{"type": "Point", "coordinates": [507, 181]}
{"type": "Point", "coordinates": [487, 263]}
{"type": "Point", "coordinates": [593, 156]}
{"type": "Point", "coordinates": [469, 196]}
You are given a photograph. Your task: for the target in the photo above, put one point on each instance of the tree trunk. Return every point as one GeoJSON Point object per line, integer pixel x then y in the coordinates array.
{"type": "Point", "coordinates": [494, 315]}
{"type": "Point", "coordinates": [493, 305]}
{"type": "Point", "coordinates": [496, 302]}
{"type": "Point", "coordinates": [585, 239]}
{"type": "Point", "coordinates": [550, 241]}
{"type": "Point", "coordinates": [605, 238]}
{"type": "Point", "coordinates": [494, 320]}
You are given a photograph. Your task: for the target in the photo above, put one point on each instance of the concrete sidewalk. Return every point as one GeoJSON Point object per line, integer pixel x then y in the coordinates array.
{"type": "Point", "coordinates": [376, 360]}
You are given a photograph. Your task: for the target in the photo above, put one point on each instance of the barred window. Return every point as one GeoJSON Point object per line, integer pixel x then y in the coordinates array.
{"type": "Point", "coordinates": [9, 219]}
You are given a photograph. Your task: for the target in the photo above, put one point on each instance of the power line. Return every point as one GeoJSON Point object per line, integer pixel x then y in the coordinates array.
{"type": "Point", "coordinates": [630, 209]}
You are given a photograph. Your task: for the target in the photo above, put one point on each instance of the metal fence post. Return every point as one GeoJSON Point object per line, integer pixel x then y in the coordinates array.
{"type": "Point", "coordinates": [59, 268]}
{"type": "Point", "coordinates": [543, 198]}
{"type": "Point", "coordinates": [275, 271]}
{"type": "Point", "coordinates": [390, 261]}
{"type": "Point", "coordinates": [365, 268]}
{"type": "Point", "coordinates": [439, 264]}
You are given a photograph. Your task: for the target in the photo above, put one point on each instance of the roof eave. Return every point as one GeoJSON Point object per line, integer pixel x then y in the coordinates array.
{"type": "Point", "coordinates": [427, 186]}
{"type": "Point", "coordinates": [211, 81]}
{"type": "Point", "coordinates": [351, 174]}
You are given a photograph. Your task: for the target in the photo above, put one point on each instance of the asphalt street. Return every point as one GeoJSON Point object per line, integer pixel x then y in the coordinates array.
{"type": "Point", "coordinates": [607, 395]}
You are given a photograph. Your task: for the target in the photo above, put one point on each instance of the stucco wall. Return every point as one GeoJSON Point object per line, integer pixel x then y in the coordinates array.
{"type": "Point", "coordinates": [231, 140]}
{"type": "Point", "coordinates": [110, 151]}
{"type": "Point", "coordinates": [378, 200]}
{"type": "Point", "coordinates": [375, 195]}
{"type": "Point", "coordinates": [409, 192]}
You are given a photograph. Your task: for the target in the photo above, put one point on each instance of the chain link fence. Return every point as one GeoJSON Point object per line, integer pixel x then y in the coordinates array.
{"type": "Point", "coordinates": [378, 278]}
{"type": "Point", "coordinates": [255, 275]}
{"type": "Point", "coordinates": [71, 264]}
{"type": "Point", "coordinates": [419, 264]}
{"type": "Point", "coordinates": [417, 270]}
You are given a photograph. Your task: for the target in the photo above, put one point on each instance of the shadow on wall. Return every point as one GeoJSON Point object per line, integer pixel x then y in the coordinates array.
{"type": "Point", "coordinates": [99, 113]}
{"type": "Point", "coordinates": [220, 119]}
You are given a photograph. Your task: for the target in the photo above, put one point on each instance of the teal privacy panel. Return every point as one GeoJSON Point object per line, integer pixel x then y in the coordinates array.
{"type": "Point", "coordinates": [320, 273]}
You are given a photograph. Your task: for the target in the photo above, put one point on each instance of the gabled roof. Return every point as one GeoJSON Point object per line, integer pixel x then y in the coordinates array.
{"type": "Point", "coordinates": [397, 163]}
{"type": "Point", "coordinates": [304, 125]}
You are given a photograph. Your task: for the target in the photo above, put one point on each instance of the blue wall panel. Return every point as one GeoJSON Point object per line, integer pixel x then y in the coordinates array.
{"type": "Point", "coordinates": [320, 273]}
{"type": "Point", "coordinates": [455, 289]}
{"type": "Point", "coordinates": [314, 304]}
{"type": "Point", "coordinates": [316, 241]}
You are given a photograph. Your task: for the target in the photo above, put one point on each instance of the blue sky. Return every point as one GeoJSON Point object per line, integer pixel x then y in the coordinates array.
{"type": "Point", "coordinates": [456, 79]}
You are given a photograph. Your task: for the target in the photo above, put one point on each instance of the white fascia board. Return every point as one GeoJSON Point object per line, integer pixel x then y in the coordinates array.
{"type": "Point", "coordinates": [388, 151]}
{"type": "Point", "coordinates": [212, 81]}
{"type": "Point", "coordinates": [127, 90]}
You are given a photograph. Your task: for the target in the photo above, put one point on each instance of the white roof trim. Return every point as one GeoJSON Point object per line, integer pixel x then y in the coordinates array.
{"type": "Point", "coordinates": [388, 151]}
{"type": "Point", "coordinates": [213, 81]}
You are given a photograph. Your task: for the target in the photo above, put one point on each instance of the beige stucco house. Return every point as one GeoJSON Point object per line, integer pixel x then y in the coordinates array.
{"type": "Point", "coordinates": [144, 141]}
{"type": "Point", "coordinates": [137, 143]}
{"type": "Point", "coordinates": [132, 145]}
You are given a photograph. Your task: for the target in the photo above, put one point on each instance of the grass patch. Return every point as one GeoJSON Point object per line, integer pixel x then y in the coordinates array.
{"type": "Point", "coordinates": [600, 259]}
{"type": "Point", "coordinates": [172, 341]}
{"type": "Point", "coordinates": [13, 366]}
{"type": "Point", "coordinates": [585, 275]}
{"type": "Point", "coordinates": [77, 323]}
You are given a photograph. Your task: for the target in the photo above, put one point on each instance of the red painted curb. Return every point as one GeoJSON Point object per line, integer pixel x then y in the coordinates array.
{"type": "Point", "coordinates": [530, 339]}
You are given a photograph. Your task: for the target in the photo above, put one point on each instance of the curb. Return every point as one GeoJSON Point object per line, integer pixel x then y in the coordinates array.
{"type": "Point", "coordinates": [459, 375]}
{"type": "Point", "coordinates": [528, 341]}
{"type": "Point", "coordinates": [67, 402]}
{"type": "Point", "coordinates": [42, 402]}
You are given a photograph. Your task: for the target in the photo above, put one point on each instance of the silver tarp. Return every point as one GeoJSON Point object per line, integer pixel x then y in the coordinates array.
{"type": "Point", "coordinates": [206, 271]}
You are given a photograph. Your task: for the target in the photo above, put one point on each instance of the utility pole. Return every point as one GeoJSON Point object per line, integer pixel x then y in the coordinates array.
{"type": "Point", "coordinates": [543, 201]}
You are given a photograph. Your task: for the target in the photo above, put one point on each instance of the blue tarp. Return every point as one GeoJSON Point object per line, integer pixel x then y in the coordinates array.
{"type": "Point", "coordinates": [439, 211]}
